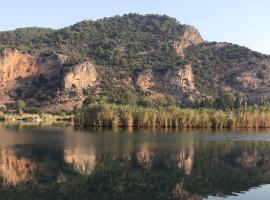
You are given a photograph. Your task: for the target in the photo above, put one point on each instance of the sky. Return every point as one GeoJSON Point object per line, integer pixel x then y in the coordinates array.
{"type": "Point", "coordinates": [243, 22]}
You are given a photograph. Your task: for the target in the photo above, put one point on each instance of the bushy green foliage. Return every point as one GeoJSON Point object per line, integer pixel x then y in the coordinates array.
{"type": "Point", "coordinates": [20, 105]}
{"type": "Point", "coordinates": [123, 46]}
{"type": "Point", "coordinates": [129, 41]}
{"type": "Point", "coordinates": [213, 61]}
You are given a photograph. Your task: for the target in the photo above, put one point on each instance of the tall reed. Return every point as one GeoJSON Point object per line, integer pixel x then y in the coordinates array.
{"type": "Point", "coordinates": [110, 115]}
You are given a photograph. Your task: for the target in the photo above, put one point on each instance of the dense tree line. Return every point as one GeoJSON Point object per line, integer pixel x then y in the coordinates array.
{"type": "Point", "coordinates": [130, 41]}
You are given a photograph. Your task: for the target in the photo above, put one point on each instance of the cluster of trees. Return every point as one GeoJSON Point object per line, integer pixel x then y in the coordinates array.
{"type": "Point", "coordinates": [224, 101]}
{"type": "Point", "coordinates": [131, 41]}
{"type": "Point", "coordinates": [123, 95]}
{"type": "Point", "coordinates": [122, 46]}
{"type": "Point", "coordinates": [212, 62]}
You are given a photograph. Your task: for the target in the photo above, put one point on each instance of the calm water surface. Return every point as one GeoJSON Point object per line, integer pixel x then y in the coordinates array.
{"type": "Point", "coordinates": [39, 162]}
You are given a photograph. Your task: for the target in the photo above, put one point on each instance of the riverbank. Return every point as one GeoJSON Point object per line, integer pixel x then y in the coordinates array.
{"type": "Point", "coordinates": [110, 115]}
{"type": "Point", "coordinates": [35, 118]}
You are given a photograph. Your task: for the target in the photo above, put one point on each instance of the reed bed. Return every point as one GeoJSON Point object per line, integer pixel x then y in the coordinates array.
{"type": "Point", "coordinates": [110, 115]}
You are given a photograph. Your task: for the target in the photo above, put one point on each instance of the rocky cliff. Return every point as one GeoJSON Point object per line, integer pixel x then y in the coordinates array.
{"type": "Point", "coordinates": [27, 76]}
{"type": "Point", "coordinates": [80, 77]}
{"type": "Point", "coordinates": [190, 36]}
{"type": "Point", "coordinates": [121, 59]}
{"type": "Point", "coordinates": [40, 78]}
{"type": "Point", "coordinates": [178, 82]}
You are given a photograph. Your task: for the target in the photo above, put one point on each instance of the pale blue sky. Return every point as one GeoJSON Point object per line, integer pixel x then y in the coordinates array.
{"type": "Point", "coordinates": [244, 22]}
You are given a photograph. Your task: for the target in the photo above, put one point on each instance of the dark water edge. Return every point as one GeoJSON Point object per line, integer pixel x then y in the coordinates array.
{"type": "Point", "coordinates": [59, 162]}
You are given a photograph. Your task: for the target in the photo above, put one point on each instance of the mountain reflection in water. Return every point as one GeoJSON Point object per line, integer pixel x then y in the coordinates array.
{"type": "Point", "coordinates": [128, 166]}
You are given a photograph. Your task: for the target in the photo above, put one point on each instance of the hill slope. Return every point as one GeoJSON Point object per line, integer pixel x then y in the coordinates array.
{"type": "Point", "coordinates": [130, 59]}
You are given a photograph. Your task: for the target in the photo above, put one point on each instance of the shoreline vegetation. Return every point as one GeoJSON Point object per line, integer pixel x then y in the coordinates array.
{"type": "Point", "coordinates": [107, 115]}
{"type": "Point", "coordinates": [34, 118]}
{"type": "Point", "coordinates": [112, 116]}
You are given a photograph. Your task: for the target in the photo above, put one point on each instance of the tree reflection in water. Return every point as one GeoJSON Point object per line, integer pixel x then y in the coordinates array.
{"type": "Point", "coordinates": [189, 171]}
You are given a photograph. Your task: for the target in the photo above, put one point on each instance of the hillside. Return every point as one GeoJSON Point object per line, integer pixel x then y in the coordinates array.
{"type": "Point", "coordinates": [130, 59]}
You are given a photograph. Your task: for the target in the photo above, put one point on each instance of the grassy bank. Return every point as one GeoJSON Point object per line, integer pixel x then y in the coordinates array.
{"type": "Point", "coordinates": [109, 115]}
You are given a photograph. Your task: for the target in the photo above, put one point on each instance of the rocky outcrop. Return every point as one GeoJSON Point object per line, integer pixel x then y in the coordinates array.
{"type": "Point", "coordinates": [178, 82]}
{"type": "Point", "coordinates": [16, 65]}
{"type": "Point", "coordinates": [24, 74]}
{"type": "Point", "coordinates": [80, 77]}
{"type": "Point", "coordinates": [190, 36]}
{"type": "Point", "coordinates": [39, 78]}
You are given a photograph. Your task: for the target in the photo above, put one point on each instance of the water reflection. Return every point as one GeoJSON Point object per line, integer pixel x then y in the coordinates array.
{"type": "Point", "coordinates": [83, 161]}
{"type": "Point", "coordinates": [15, 169]}
{"type": "Point", "coordinates": [131, 166]}
{"type": "Point", "coordinates": [24, 163]}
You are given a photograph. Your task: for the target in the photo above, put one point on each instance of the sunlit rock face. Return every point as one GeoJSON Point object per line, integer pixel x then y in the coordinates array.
{"type": "Point", "coordinates": [21, 74]}
{"type": "Point", "coordinates": [80, 77]}
{"type": "Point", "coordinates": [178, 82]}
{"type": "Point", "coordinates": [191, 36]}
{"type": "Point", "coordinates": [42, 76]}
{"type": "Point", "coordinates": [15, 169]}
{"type": "Point", "coordinates": [83, 161]}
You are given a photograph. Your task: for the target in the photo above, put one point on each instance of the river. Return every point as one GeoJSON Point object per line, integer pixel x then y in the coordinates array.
{"type": "Point", "coordinates": [58, 162]}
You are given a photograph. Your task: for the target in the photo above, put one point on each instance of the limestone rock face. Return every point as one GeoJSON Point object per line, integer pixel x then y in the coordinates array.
{"type": "Point", "coordinates": [178, 82]}
{"type": "Point", "coordinates": [14, 65]}
{"type": "Point", "coordinates": [39, 78]}
{"type": "Point", "coordinates": [80, 77]}
{"type": "Point", "coordinates": [21, 70]}
{"type": "Point", "coordinates": [191, 36]}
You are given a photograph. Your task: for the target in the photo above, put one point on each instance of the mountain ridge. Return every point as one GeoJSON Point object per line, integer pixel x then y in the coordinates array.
{"type": "Point", "coordinates": [129, 59]}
